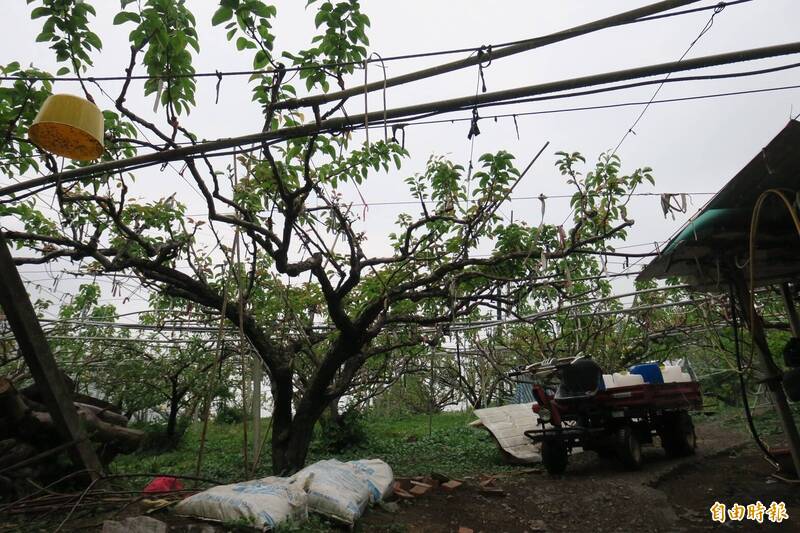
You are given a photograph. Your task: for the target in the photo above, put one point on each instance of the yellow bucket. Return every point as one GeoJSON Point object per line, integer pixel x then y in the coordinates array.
{"type": "Point", "coordinates": [69, 126]}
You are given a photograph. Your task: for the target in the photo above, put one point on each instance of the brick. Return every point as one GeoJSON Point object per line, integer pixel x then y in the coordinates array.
{"type": "Point", "coordinates": [492, 491]}
{"type": "Point", "coordinates": [419, 490]}
{"type": "Point", "coordinates": [421, 484]}
{"type": "Point", "coordinates": [463, 529]}
{"type": "Point", "coordinates": [451, 485]}
{"type": "Point", "coordinates": [400, 493]}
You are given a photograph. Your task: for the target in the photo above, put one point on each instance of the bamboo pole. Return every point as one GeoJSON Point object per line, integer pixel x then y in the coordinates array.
{"type": "Point", "coordinates": [379, 117]}
{"type": "Point", "coordinates": [210, 391]}
{"type": "Point", "coordinates": [490, 54]}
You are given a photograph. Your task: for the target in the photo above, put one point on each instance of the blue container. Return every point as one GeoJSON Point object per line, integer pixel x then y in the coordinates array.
{"type": "Point", "coordinates": [650, 372]}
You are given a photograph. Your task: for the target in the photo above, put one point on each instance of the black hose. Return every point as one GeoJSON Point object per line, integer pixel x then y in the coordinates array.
{"type": "Point", "coordinates": [747, 413]}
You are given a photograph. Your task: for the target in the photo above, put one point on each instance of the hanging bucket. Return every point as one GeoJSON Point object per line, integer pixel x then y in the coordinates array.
{"type": "Point", "coordinates": [69, 126]}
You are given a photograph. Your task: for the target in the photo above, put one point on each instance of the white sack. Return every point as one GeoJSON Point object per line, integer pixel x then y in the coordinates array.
{"type": "Point", "coordinates": [377, 474]}
{"type": "Point", "coordinates": [263, 503]}
{"type": "Point", "coordinates": [334, 490]}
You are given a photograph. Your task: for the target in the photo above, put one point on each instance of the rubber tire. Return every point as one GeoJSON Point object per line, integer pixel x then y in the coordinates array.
{"type": "Point", "coordinates": [678, 437]}
{"type": "Point", "coordinates": [629, 449]}
{"type": "Point", "coordinates": [554, 457]}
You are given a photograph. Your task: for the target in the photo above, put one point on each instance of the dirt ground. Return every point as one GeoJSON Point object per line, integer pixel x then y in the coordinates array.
{"type": "Point", "coordinates": [597, 495]}
{"type": "Point", "coordinates": [593, 496]}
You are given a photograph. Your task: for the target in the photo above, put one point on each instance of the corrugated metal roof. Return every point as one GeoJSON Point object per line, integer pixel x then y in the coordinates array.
{"type": "Point", "coordinates": [716, 239]}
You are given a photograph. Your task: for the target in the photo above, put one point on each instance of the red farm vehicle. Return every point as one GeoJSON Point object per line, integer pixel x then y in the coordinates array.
{"type": "Point", "coordinates": [576, 410]}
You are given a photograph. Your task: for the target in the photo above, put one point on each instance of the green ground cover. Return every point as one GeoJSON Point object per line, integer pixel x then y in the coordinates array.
{"type": "Point", "coordinates": [451, 448]}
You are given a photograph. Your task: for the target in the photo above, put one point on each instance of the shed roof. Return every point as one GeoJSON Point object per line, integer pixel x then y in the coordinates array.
{"type": "Point", "coordinates": [715, 241]}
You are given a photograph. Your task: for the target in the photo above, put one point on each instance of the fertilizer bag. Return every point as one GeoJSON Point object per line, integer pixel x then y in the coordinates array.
{"type": "Point", "coordinates": [262, 503]}
{"type": "Point", "coordinates": [377, 474]}
{"type": "Point", "coordinates": [334, 490]}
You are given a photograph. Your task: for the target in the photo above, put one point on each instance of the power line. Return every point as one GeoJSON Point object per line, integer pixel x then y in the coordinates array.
{"type": "Point", "coordinates": [573, 94]}
{"type": "Point", "coordinates": [511, 199]}
{"type": "Point", "coordinates": [142, 327]}
{"type": "Point", "coordinates": [515, 115]}
{"type": "Point", "coordinates": [487, 55]}
{"type": "Point", "coordinates": [597, 107]}
{"type": "Point", "coordinates": [543, 314]}
{"type": "Point", "coordinates": [436, 107]}
{"type": "Point", "coordinates": [234, 339]}
{"type": "Point", "coordinates": [718, 9]}
{"type": "Point", "coordinates": [485, 49]}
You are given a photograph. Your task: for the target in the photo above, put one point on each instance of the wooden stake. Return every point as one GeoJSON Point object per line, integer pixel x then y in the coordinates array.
{"type": "Point", "coordinates": [33, 345]}
{"type": "Point", "coordinates": [769, 370]}
{"type": "Point", "coordinates": [790, 309]}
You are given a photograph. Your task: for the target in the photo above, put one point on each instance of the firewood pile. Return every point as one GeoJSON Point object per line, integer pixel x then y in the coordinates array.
{"type": "Point", "coordinates": [30, 445]}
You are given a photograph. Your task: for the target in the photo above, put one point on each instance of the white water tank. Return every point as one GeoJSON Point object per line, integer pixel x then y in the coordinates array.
{"type": "Point", "coordinates": [674, 374]}
{"type": "Point", "coordinates": [626, 380]}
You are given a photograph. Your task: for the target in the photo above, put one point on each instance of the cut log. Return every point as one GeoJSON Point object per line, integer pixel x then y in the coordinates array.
{"type": "Point", "coordinates": [97, 402]}
{"type": "Point", "coordinates": [17, 453]}
{"type": "Point", "coordinates": [12, 405]}
{"type": "Point", "coordinates": [25, 423]}
{"type": "Point", "coordinates": [124, 438]}
{"type": "Point", "coordinates": [104, 414]}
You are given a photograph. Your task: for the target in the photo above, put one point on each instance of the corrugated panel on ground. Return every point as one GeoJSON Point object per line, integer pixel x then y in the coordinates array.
{"type": "Point", "coordinates": [507, 424]}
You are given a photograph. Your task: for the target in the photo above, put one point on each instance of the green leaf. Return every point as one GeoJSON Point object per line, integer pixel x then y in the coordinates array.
{"type": "Point", "coordinates": [260, 9]}
{"type": "Point", "coordinates": [62, 71]}
{"type": "Point", "coordinates": [126, 16]}
{"type": "Point", "coordinates": [260, 60]}
{"type": "Point", "coordinates": [263, 31]}
{"type": "Point", "coordinates": [94, 40]}
{"type": "Point", "coordinates": [321, 17]}
{"type": "Point", "coordinates": [40, 12]}
{"type": "Point", "coordinates": [223, 14]}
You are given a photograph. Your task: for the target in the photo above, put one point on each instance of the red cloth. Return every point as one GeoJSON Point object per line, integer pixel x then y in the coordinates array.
{"type": "Point", "coordinates": [163, 484]}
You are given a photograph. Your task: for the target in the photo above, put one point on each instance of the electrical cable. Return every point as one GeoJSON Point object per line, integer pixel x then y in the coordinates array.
{"type": "Point", "coordinates": [505, 115]}
{"type": "Point", "coordinates": [326, 66]}
{"type": "Point", "coordinates": [743, 386]}
{"type": "Point", "coordinates": [546, 97]}
{"type": "Point", "coordinates": [599, 107]}
{"type": "Point", "coordinates": [718, 9]}
{"type": "Point", "coordinates": [210, 149]}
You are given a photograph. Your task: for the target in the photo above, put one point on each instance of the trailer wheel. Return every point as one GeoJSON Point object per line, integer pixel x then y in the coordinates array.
{"type": "Point", "coordinates": [554, 457]}
{"type": "Point", "coordinates": [629, 449]}
{"type": "Point", "coordinates": [677, 434]}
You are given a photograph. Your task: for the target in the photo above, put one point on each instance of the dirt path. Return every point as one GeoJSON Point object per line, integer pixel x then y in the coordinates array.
{"type": "Point", "coordinates": [596, 495]}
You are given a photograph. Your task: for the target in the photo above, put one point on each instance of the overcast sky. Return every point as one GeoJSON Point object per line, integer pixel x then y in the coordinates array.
{"type": "Point", "coordinates": [692, 146]}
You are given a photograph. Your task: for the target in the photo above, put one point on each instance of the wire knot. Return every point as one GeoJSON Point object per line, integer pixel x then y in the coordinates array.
{"type": "Point", "coordinates": [219, 82]}
{"type": "Point", "coordinates": [474, 131]}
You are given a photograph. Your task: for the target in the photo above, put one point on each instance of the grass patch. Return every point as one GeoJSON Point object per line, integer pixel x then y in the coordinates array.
{"type": "Point", "coordinates": [765, 419]}
{"type": "Point", "coordinates": [450, 448]}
